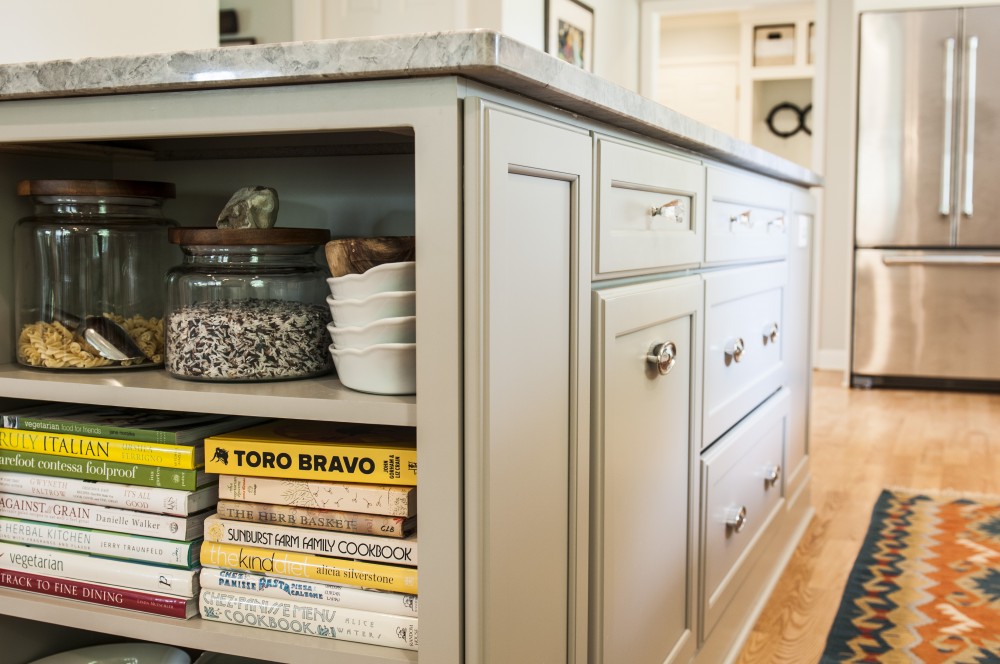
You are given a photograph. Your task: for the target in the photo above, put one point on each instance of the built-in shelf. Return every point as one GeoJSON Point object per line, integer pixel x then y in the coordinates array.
{"type": "Point", "coordinates": [322, 398]}
{"type": "Point", "coordinates": [195, 633]}
{"type": "Point", "coordinates": [790, 72]}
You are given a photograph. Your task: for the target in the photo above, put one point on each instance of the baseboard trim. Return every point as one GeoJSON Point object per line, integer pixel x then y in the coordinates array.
{"type": "Point", "coordinates": [830, 358]}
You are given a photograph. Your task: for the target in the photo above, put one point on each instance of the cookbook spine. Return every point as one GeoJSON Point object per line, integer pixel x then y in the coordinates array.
{"type": "Point", "coordinates": [102, 518]}
{"type": "Point", "coordinates": [176, 429]}
{"type": "Point", "coordinates": [101, 542]}
{"type": "Point", "coordinates": [125, 496]}
{"type": "Point", "coordinates": [103, 471]}
{"type": "Point", "coordinates": [308, 540]}
{"type": "Point", "coordinates": [291, 616]}
{"type": "Point", "coordinates": [273, 562]}
{"type": "Point", "coordinates": [105, 595]}
{"type": "Point", "coordinates": [380, 499]}
{"type": "Point", "coordinates": [249, 583]}
{"type": "Point", "coordinates": [103, 449]}
{"type": "Point", "coordinates": [93, 569]}
{"type": "Point", "coordinates": [395, 465]}
{"type": "Point", "coordinates": [335, 520]}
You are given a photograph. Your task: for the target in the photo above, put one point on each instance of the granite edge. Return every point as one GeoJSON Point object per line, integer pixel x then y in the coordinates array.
{"type": "Point", "coordinates": [482, 55]}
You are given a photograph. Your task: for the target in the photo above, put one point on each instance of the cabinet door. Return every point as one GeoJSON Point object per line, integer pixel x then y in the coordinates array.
{"type": "Point", "coordinates": [527, 386]}
{"type": "Point", "coordinates": [645, 502]}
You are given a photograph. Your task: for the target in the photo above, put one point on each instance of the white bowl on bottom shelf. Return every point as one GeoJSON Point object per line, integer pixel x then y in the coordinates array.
{"type": "Point", "coordinates": [379, 279]}
{"type": "Point", "coordinates": [398, 330]}
{"type": "Point", "coordinates": [355, 313]}
{"type": "Point", "coordinates": [378, 369]}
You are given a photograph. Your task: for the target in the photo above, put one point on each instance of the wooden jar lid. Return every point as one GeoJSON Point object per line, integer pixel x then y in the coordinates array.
{"type": "Point", "coordinates": [248, 236]}
{"type": "Point", "coordinates": [122, 188]}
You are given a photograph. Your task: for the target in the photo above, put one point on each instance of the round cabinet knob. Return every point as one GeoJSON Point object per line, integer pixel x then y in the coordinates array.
{"type": "Point", "coordinates": [772, 474]}
{"type": "Point", "coordinates": [770, 332]}
{"type": "Point", "coordinates": [734, 349]}
{"type": "Point", "coordinates": [736, 518]}
{"type": "Point", "coordinates": [662, 357]}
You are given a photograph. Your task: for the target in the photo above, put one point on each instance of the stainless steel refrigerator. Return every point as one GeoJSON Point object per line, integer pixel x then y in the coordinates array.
{"type": "Point", "coordinates": [927, 216]}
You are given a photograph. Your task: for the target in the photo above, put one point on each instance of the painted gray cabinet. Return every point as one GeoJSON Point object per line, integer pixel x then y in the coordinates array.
{"type": "Point", "coordinates": [560, 505]}
{"type": "Point", "coordinates": [646, 395]}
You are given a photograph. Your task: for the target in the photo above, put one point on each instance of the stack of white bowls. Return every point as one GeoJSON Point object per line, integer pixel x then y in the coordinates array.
{"type": "Point", "coordinates": [374, 329]}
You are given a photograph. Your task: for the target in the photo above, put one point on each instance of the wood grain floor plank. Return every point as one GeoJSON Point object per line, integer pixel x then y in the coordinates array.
{"type": "Point", "coordinates": [861, 442]}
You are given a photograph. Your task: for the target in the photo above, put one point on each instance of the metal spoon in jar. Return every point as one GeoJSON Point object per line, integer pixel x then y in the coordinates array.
{"type": "Point", "coordinates": [104, 335]}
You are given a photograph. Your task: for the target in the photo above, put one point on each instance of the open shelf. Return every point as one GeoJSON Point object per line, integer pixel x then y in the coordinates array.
{"type": "Point", "coordinates": [196, 633]}
{"type": "Point", "coordinates": [323, 398]}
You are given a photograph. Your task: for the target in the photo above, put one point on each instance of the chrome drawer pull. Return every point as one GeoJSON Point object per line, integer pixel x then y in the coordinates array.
{"type": "Point", "coordinates": [734, 349]}
{"type": "Point", "coordinates": [770, 332]}
{"type": "Point", "coordinates": [779, 222]}
{"type": "Point", "coordinates": [674, 210]}
{"type": "Point", "coordinates": [736, 518]}
{"type": "Point", "coordinates": [743, 219]}
{"type": "Point", "coordinates": [772, 474]}
{"type": "Point", "coordinates": [662, 357]}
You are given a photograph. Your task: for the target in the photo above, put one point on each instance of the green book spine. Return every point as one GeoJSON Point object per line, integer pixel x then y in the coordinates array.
{"type": "Point", "coordinates": [133, 425]}
{"type": "Point", "coordinates": [102, 471]}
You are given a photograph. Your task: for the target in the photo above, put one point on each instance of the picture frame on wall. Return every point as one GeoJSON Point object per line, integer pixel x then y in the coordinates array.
{"type": "Point", "coordinates": [569, 32]}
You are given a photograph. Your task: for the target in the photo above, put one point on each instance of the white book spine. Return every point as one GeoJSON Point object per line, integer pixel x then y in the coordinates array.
{"type": "Point", "coordinates": [126, 496]}
{"type": "Point", "coordinates": [318, 542]}
{"type": "Point", "coordinates": [301, 618]}
{"type": "Point", "coordinates": [82, 567]}
{"type": "Point", "coordinates": [101, 542]}
{"type": "Point", "coordinates": [343, 496]}
{"type": "Point", "coordinates": [103, 518]}
{"type": "Point", "coordinates": [303, 590]}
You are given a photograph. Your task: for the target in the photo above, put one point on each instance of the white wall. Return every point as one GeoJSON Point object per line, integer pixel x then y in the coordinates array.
{"type": "Point", "coordinates": [267, 21]}
{"type": "Point", "coordinates": [616, 33]}
{"type": "Point", "coordinates": [33, 30]}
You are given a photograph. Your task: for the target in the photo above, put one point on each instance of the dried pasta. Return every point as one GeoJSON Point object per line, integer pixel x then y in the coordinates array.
{"type": "Point", "coordinates": [54, 346]}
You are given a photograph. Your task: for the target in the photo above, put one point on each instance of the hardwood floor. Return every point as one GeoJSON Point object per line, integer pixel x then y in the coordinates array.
{"type": "Point", "coordinates": [861, 442]}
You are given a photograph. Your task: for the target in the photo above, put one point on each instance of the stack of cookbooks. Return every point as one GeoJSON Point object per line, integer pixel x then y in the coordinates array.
{"type": "Point", "coordinates": [106, 505]}
{"type": "Point", "coordinates": [315, 531]}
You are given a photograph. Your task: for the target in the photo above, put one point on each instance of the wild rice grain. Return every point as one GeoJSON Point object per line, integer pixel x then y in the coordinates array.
{"type": "Point", "coordinates": [247, 340]}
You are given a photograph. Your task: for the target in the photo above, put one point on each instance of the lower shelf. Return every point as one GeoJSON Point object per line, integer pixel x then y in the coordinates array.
{"type": "Point", "coordinates": [195, 633]}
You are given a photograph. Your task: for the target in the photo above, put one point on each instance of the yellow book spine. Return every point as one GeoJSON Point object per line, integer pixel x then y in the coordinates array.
{"type": "Point", "coordinates": [313, 461]}
{"type": "Point", "coordinates": [271, 562]}
{"type": "Point", "coordinates": [102, 449]}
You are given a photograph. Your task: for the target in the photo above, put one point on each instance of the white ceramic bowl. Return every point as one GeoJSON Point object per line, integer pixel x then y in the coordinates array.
{"type": "Point", "coordinates": [401, 330]}
{"type": "Point", "coordinates": [119, 653]}
{"type": "Point", "coordinates": [355, 313]}
{"type": "Point", "coordinates": [379, 279]}
{"type": "Point", "coordinates": [378, 369]}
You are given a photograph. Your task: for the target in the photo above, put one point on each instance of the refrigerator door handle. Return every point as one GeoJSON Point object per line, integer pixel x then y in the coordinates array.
{"type": "Point", "coordinates": [942, 259]}
{"type": "Point", "coordinates": [970, 123]}
{"type": "Point", "coordinates": [949, 86]}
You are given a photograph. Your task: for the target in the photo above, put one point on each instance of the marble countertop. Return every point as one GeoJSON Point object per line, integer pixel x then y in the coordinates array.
{"type": "Point", "coordinates": [485, 56]}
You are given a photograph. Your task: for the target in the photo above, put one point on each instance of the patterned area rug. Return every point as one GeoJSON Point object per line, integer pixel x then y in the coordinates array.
{"type": "Point", "coordinates": [925, 586]}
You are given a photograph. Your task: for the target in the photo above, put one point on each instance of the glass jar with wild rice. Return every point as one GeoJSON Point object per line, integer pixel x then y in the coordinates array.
{"type": "Point", "coordinates": [247, 305]}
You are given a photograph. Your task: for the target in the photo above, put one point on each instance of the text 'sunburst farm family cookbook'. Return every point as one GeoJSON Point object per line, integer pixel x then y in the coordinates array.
{"type": "Point", "coordinates": [333, 451]}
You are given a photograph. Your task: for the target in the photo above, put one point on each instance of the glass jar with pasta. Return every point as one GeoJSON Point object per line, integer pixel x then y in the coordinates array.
{"type": "Point", "coordinates": [89, 274]}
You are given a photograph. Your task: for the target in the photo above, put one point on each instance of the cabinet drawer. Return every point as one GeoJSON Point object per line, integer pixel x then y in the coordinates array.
{"type": "Point", "coordinates": [744, 343]}
{"type": "Point", "coordinates": [643, 530]}
{"type": "Point", "coordinates": [650, 210]}
{"type": "Point", "coordinates": [746, 217]}
{"type": "Point", "coordinates": [742, 483]}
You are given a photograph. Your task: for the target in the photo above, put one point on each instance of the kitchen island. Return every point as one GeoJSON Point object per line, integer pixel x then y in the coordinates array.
{"type": "Point", "coordinates": [613, 326]}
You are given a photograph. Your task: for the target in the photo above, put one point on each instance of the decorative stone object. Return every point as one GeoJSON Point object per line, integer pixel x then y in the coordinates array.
{"type": "Point", "coordinates": [250, 207]}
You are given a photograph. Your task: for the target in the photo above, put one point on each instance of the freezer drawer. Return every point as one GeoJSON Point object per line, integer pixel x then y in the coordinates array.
{"type": "Point", "coordinates": [922, 314]}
